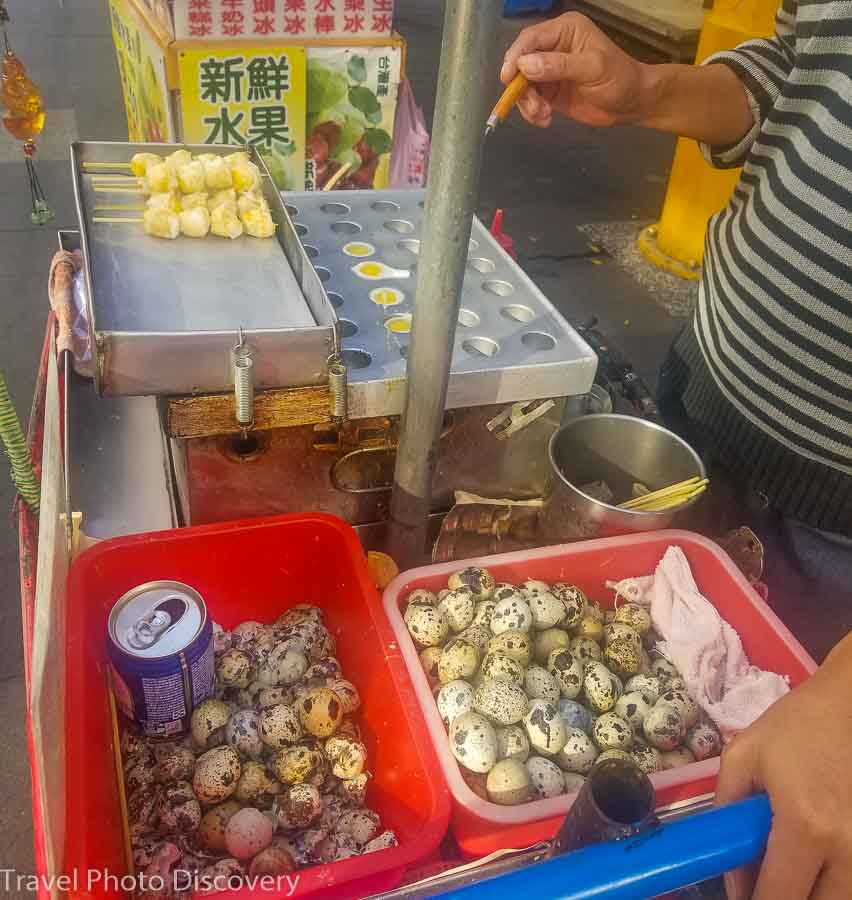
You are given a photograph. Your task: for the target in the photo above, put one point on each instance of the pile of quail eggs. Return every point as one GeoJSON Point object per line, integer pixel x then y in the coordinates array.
{"type": "Point", "coordinates": [273, 775]}
{"type": "Point", "coordinates": [535, 684]}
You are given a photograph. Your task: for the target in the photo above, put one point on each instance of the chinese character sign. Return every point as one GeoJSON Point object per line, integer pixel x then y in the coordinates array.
{"type": "Point", "coordinates": [352, 95]}
{"type": "Point", "coordinates": [225, 19]}
{"type": "Point", "coordinates": [142, 67]}
{"type": "Point", "coordinates": [248, 96]}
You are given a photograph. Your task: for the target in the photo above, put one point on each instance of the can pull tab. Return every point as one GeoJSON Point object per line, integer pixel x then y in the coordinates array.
{"type": "Point", "coordinates": [151, 627]}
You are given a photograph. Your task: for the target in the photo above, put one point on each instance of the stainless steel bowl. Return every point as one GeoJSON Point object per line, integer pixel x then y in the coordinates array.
{"type": "Point", "coordinates": [621, 451]}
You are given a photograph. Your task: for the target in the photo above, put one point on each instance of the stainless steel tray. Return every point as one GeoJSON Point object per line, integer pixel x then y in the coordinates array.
{"type": "Point", "coordinates": [511, 344]}
{"type": "Point", "coordinates": [164, 314]}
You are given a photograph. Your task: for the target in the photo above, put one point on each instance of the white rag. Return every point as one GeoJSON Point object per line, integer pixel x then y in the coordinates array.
{"type": "Point", "coordinates": [704, 647]}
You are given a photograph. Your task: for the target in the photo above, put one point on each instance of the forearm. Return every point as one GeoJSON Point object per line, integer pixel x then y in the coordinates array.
{"type": "Point", "coordinates": [707, 103]}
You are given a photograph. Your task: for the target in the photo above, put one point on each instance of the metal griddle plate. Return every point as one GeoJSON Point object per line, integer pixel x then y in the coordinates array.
{"type": "Point", "coordinates": [165, 314]}
{"type": "Point", "coordinates": [511, 344]}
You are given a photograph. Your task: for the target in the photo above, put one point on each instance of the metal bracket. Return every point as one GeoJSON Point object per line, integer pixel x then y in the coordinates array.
{"type": "Point", "coordinates": [516, 417]}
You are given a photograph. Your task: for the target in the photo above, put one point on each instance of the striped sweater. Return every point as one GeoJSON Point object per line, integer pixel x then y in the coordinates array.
{"type": "Point", "coordinates": [774, 316]}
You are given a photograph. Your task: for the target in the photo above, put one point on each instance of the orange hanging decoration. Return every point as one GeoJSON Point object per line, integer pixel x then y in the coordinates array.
{"type": "Point", "coordinates": [23, 117]}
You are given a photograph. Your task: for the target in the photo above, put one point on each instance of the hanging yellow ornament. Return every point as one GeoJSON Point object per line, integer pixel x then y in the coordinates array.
{"type": "Point", "coordinates": [23, 117]}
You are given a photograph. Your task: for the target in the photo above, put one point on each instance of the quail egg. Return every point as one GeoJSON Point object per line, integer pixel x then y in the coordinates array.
{"type": "Point", "coordinates": [428, 625]}
{"type": "Point", "coordinates": [637, 617]}
{"type": "Point", "coordinates": [602, 687]}
{"type": "Point", "coordinates": [503, 589]}
{"type": "Point", "coordinates": [620, 630]}
{"type": "Point", "coordinates": [216, 775]}
{"type": "Point", "coordinates": [284, 665]}
{"type": "Point", "coordinates": [211, 831]}
{"type": "Point", "coordinates": [480, 582]}
{"type": "Point", "coordinates": [498, 666]}
{"type": "Point", "coordinates": [293, 765]}
{"type": "Point", "coordinates": [458, 608]}
{"type": "Point", "coordinates": [516, 644]}
{"type": "Point", "coordinates": [539, 684]}
{"type": "Point", "coordinates": [243, 733]}
{"type": "Point", "coordinates": [247, 833]}
{"type": "Point", "coordinates": [703, 740]}
{"type": "Point", "coordinates": [509, 783]}
{"type": "Point", "coordinates": [207, 723]}
{"type": "Point", "coordinates": [483, 612]}
{"type": "Point", "coordinates": [279, 726]}
{"type": "Point", "coordinates": [272, 696]}
{"type": "Point", "coordinates": [594, 611]}
{"type": "Point", "coordinates": [678, 683]}
{"type": "Point", "coordinates": [623, 657]}
{"type": "Point", "coordinates": [421, 595]}
{"type": "Point", "coordinates": [545, 728]}
{"type": "Point", "coordinates": [355, 789]}
{"type": "Point", "coordinates": [176, 765]}
{"type": "Point", "coordinates": [547, 610]}
{"type": "Point", "coordinates": [574, 601]}
{"type": "Point", "coordinates": [647, 758]}
{"type": "Point", "coordinates": [611, 732]}
{"type": "Point", "coordinates": [511, 613]}
{"type": "Point", "coordinates": [347, 756]}
{"type": "Point", "coordinates": [589, 627]}
{"type": "Point", "coordinates": [273, 861]}
{"type": "Point", "coordinates": [634, 709]}
{"type": "Point", "coordinates": [575, 715]}
{"type": "Point", "coordinates": [178, 809]}
{"type": "Point", "coordinates": [567, 671]}
{"type": "Point", "coordinates": [479, 636]}
{"type": "Point", "coordinates": [573, 782]}
{"type": "Point", "coordinates": [299, 807]}
{"type": "Point", "coordinates": [647, 685]}
{"type": "Point", "coordinates": [684, 704]}
{"type": "Point", "coordinates": [578, 753]}
{"type": "Point", "coordinates": [429, 660]}
{"type": "Point", "coordinates": [585, 649]}
{"type": "Point", "coordinates": [255, 786]}
{"type": "Point", "coordinates": [317, 639]}
{"type": "Point", "coordinates": [546, 777]}
{"type": "Point", "coordinates": [320, 711]}
{"type": "Point", "coordinates": [532, 588]}
{"type": "Point", "coordinates": [663, 727]}
{"type": "Point", "coordinates": [512, 743]}
{"type": "Point", "coordinates": [615, 754]}
{"type": "Point", "coordinates": [664, 671]}
{"type": "Point", "coordinates": [348, 694]}
{"type": "Point", "coordinates": [247, 632]}
{"type": "Point", "coordinates": [384, 841]}
{"type": "Point", "coordinates": [360, 825]}
{"type": "Point", "coordinates": [473, 742]}
{"type": "Point", "coordinates": [673, 759]}
{"type": "Point", "coordinates": [503, 702]}
{"type": "Point", "coordinates": [235, 669]}
{"type": "Point", "coordinates": [327, 667]}
{"type": "Point", "coordinates": [298, 615]}
{"type": "Point", "coordinates": [459, 659]}
{"type": "Point", "coordinates": [222, 639]}
{"type": "Point", "coordinates": [454, 698]}
{"type": "Point", "coordinates": [545, 642]}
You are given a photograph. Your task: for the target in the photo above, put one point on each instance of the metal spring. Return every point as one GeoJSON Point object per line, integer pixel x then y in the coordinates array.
{"type": "Point", "coordinates": [337, 389]}
{"type": "Point", "coordinates": [244, 386]}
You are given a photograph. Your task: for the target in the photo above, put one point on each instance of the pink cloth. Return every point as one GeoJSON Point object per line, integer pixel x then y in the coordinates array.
{"type": "Point", "coordinates": [706, 650]}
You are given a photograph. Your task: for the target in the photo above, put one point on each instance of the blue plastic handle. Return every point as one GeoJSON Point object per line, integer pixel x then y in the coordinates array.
{"type": "Point", "coordinates": [663, 859]}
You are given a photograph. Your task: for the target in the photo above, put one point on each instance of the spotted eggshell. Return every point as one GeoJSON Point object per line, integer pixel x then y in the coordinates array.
{"type": "Point", "coordinates": [480, 581]}
{"type": "Point", "coordinates": [663, 727]}
{"type": "Point", "coordinates": [458, 607]}
{"type": "Point", "coordinates": [473, 742]}
{"type": "Point", "coordinates": [512, 743]}
{"type": "Point", "coordinates": [454, 698]}
{"type": "Point", "coordinates": [505, 591]}
{"type": "Point", "coordinates": [594, 611]}
{"type": "Point", "coordinates": [428, 625]}
{"type": "Point", "coordinates": [496, 665]}
{"type": "Point", "coordinates": [620, 630]}
{"type": "Point", "coordinates": [279, 726]}
{"type": "Point", "coordinates": [511, 613]}
{"type": "Point", "coordinates": [589, 627]}
{"type": "Point", "coordinates": [623, 657]}
{"type": "Point", "coordinates": [459, 659]}
{"type": "Point", "coordinates": [578, 753]}
{"type": "Point", "coordinates": [637, 617]}
{"type": "Point", "coordinates": [547, 610]}
{"type": "Point", "coordinates": [483, 612]}
{"type": "Point", "coordinates": [216, 775]}
{"type": "Point", "coordinates": [545, 727]}
{"type": "Point", "coordinates": [546, 777]}
{"type": "Point", "coordinates": [684, 704]}
{"type": "Point", "coordinates": [673, 759]}
{"type": "Point", "coordinates": [615, 754]}
{"type": "Point", "coordinates": [235, 668]}
{"type": "Point", "coordinates": [516, 644]}
{"type": "Point", "coordinates": [575, 715]}
{"type": "Point", "coordinates": [574, 601]}
{"type": "Point", "coordinates": [293, 765]}
{"type": "Point", "coordinates": [647, 685]}
{"type": "Point", "coordinates": [509, 783]}
{"type": "Point", "coordinates": [545, 642]}
{"type": "Point", "coordinates": [573, 782]}
{"type": "Point", "coordinates": [664, 670]}
{"type": "Point", "coordinates": [320, 711]}
{"type": "Point", "coordinates": [503, 702]}
{"type": "Point", "coordinates": [539, 684]}
{"type": "Point", "coordinates": [585, 649]}
{"type": "Point", "coordinates": [531, 587]}
{"type": "Point", "coordinates": [611, 732]}
{"type": "Point", "coordinates": [421, 595]}
{"type": "Point", "coordinates": [633, 708]}
{"type": "Point", "coordinates": [602, 687]}
{"type": "Point", "coordinates": [429, 660]}
{"type": "Point", "coordinates": [243, 733]}
{"type": "Point", "coordinates": [647, 758]}
{"type": "Point", "coordinates": [703, 741]}
{"type": "Point", "coordinates": [478, 635]}
{"type": "Point", "coordinates": [567, 671]}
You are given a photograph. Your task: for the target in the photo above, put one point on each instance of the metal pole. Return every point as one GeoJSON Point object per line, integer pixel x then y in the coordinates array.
{"type": "Point", "coordinates": [465, 81]}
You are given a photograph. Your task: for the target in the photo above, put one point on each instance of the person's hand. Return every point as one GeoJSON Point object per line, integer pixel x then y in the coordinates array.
{"type": "Point", "coordinates": [799, 752]}
{"type": "Point", "coordinates": [575, 70]}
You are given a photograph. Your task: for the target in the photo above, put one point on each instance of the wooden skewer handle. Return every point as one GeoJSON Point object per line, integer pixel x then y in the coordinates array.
{"type": "Point", "coordinates": [510, 97]}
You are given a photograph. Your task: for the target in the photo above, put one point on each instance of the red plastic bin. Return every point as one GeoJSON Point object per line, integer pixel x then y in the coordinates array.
{"type": "Point", "coordinates": [481, 827]}
{"type": "Point", "coordinates": [254, 570]}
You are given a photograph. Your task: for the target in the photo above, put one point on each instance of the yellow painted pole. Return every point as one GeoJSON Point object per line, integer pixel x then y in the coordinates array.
{"type": "Point", "coordinates": [697, 191]}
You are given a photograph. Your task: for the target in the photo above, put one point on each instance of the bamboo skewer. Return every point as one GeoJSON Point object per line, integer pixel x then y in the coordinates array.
{"type": "Point", "coordinates": [115, 220]}
{"type": "Point", "coordinates": [670, 502]}
{"type": "Point", "coordinates": [337, 177]}
{"type": "Point", "coordinates": [689, 488]}
{"type": "Point", "coordinates": [120, 207]}
{"type": "Point", "coordinates": [91, 164]}
{"type": "Point", "coordinates": [117, 190]}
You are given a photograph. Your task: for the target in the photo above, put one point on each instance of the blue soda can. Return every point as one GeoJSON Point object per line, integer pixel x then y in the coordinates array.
{"type": "Point", "coordinates": [161, 654]}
